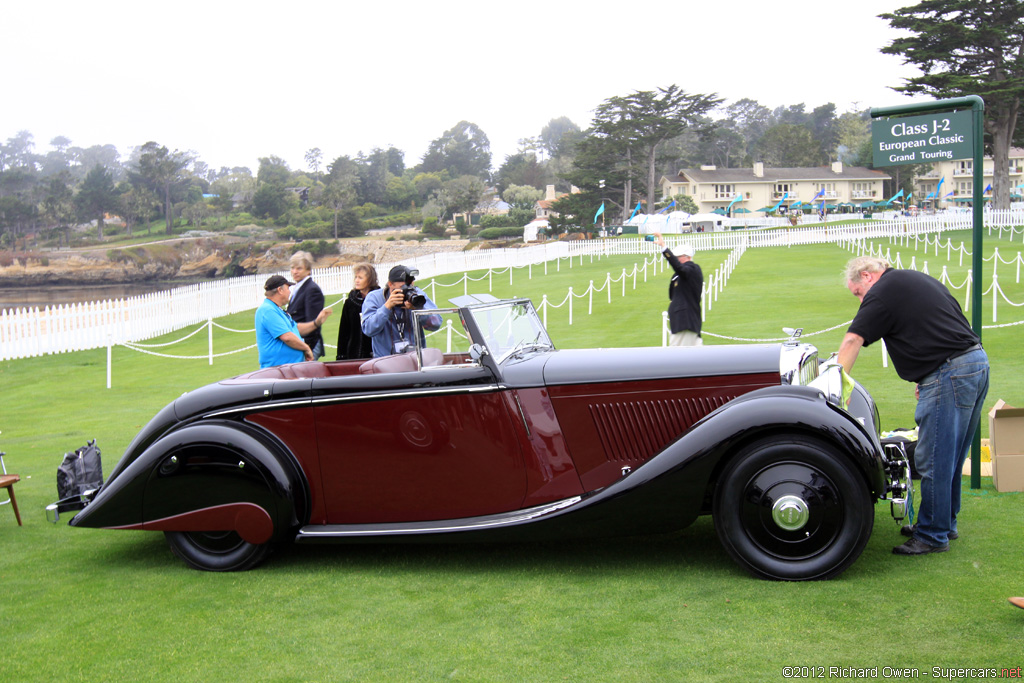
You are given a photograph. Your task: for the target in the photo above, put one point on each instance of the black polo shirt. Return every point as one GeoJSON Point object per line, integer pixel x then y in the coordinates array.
{"type": "Point", "coordinates": [920, 321]}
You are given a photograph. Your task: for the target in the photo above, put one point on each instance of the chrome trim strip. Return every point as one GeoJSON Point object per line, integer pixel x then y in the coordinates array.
{"type": "Point", "coordinates": [491, 388]}
{"type": "Point", "coordinates": [431, 391]}
{"type": "Point", "coordinates": [249, 407]}
{"type": "Point", "coordinates": [397, 529]}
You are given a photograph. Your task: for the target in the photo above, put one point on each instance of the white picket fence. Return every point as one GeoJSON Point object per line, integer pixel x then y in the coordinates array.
{"type": "Point", "coordinates": [60, 329]}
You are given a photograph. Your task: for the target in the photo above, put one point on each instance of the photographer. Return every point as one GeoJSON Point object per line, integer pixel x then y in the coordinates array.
{"type": "Point", "coordinates": [388, 321]}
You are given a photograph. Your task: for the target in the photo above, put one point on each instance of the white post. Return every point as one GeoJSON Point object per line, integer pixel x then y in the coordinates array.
{"type": "Point", "coordinates": [490, 279]}
{"type": "Point", "coordinates": [209, 338]}
{"type": "Point", "coordinates": [967, 301]}
{"type": "Point", "coordinates": [590, 299]}
{"type": "Point", "coordinates": [995, 295]}
{"type": "Point", "coordinates": [449, 334]}
{"type": "Point", "coordinates": [623, 282]}
{"type": "Point", "coordinates": [664, 328]}
{"type": "Point", "coordinates": [570, 298]}
{"type": "Point", "coordinates": [608, 284]}
{"type": "Point", "coordinates": [544, 306]}
{"type": "Point", "coordinates": [109, 356]}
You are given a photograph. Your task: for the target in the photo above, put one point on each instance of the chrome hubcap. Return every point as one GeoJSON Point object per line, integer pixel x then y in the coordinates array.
{"type": "Point", "coordinates": [790, 512]}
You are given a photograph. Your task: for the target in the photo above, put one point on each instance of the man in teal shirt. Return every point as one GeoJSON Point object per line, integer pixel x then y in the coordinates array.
{"type": "Point", "coordinates": [278, 337]}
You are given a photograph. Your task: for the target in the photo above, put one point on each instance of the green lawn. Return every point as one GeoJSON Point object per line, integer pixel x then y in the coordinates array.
{"type": "Point", "coordinates": [92, 605]}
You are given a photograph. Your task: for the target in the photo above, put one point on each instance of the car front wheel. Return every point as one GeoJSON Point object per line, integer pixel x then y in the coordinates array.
{"type": "Point", "coordinates": [216, 551]}
{"type": "Point", "coordinates": [792, 508]}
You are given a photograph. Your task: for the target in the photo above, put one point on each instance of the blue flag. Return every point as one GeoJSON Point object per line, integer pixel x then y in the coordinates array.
{"type": "Point", "coordinates": [599, 212]}
{"type": "Point", "coordinates": [988, 189]}
{"type": "Point", "coordinates": [776, 207]}
{"type": "Point", "coordinates": [667, 207]}
{"type": "Point", "coordinates": [894, 197]}
{"type": "Point", "coordinates": [821, 193]}
{"type": "Point", "coordinates": [939, 186]}
{"type": "Point", "coordinates": [634, 210]}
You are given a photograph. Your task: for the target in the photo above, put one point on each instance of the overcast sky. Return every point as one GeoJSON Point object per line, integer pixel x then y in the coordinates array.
{"type": "Point", "coordinates": [234, 81]}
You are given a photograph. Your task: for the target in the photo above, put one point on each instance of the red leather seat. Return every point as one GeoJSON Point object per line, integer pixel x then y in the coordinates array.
{"type": "Point", "coordinates": [401, 362]}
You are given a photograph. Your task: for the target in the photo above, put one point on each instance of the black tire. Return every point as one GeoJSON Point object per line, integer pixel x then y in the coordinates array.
{"type": "Point", "coordinates": [792, 508]}
{"type": "Point", "coordinates": [216, 551]}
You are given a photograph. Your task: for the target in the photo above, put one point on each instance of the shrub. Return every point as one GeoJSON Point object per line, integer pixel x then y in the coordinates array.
{"type": "Point", "coordinates": [496, 221]}
{"type": "Point", "coordinates": [394, 220]}
{"type": "Point", "coordinates": [500, 233]}
{"type": "Point", "coordinates": [318, 248]}
{"type": "Point", "coordinates": [318, 230]}
{"type": "Point", "coordinates": [432, 227]}
{"type": "Point", "coordinates": [289, 233]}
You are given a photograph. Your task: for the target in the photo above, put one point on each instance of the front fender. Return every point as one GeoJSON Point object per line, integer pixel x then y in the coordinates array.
{"type": "Point", "coordinates": [206, 476]}
{"type": "Point", "coordinates": [705, 449]}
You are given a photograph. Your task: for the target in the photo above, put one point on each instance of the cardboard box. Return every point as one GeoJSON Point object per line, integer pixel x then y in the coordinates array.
{"type": "Point", "coordinates": [1008, 473]}
{"type": "Point", "coordinates": [1006, 436]}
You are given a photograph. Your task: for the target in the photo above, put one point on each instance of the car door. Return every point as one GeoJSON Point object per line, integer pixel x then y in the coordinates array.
{"type": "Point", "coordinates": [431, 443]}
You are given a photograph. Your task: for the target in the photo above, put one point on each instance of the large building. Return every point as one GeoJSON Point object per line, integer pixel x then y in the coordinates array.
{"type": "Point", "coordinates": [760, 188]}
{"type": "Point", "coordinates": [957, 179]}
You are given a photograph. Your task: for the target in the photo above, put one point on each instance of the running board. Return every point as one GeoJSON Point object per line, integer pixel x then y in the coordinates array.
{"type": "Point", "coordinates": [324, 532]}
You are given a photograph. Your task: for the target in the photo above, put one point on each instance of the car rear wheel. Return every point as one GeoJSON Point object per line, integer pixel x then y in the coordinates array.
{"type": "Point", "coordinates": [216, 551]}
{"type": "Point", "coordinates": [792, 508]}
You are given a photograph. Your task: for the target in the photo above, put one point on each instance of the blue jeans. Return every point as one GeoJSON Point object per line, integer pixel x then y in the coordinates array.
{"type": "Point", "coordinates": [318, 350]}
{"type": "Point", "coordinates": [948, 411]}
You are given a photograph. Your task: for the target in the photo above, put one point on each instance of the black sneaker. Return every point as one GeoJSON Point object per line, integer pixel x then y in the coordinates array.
{"type": "Point", "coordinates": [908, 530]}
{"type": "Point", "coordinates": [916, 547]}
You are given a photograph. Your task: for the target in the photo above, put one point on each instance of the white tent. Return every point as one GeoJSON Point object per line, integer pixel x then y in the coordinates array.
{"type": "Point", "coordinates": [704, 222]}
{"type": "Point", "coordinates": [668, 224]}
{"type": "Point", "coordinates": [533, 227]}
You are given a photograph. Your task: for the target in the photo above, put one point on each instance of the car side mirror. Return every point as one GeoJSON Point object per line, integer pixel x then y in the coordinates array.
{"type": "Point", "coordinates": [476, 352]}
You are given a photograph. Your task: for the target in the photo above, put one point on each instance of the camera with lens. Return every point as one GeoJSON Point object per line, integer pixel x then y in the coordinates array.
{"type": "Point", "coordinates": [409, 292]}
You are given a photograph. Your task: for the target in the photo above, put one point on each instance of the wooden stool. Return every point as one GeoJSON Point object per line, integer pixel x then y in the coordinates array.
{"type": "Point", "coordinates": [7, 481]}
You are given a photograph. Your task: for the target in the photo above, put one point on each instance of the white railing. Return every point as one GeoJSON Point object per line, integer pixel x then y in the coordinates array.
{"type": "Point", "coordinates": [60, 329]}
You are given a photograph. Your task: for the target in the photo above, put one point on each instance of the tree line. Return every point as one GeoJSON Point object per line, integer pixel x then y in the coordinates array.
{"type": "Point", "coordinates": [961, 47]}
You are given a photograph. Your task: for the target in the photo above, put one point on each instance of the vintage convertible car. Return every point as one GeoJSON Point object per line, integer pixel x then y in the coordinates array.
{"type": "Point", "coordinates": [486, 431]}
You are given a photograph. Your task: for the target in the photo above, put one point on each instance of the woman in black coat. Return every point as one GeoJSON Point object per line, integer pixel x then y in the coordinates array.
{"type": "Point", "coordinates": [352, 343]}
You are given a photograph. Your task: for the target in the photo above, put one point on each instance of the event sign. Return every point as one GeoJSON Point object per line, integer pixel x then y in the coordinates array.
{"type": "Point", "coordinates": [922, 139]}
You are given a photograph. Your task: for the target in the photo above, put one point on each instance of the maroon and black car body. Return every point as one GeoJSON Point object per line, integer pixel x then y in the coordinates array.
{"type": "Point", "coordinates": [486, 431]}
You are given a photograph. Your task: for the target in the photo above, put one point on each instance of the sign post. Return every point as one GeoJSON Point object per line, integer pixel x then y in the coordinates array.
{"type": "Point", "coordinates": [946, 130]}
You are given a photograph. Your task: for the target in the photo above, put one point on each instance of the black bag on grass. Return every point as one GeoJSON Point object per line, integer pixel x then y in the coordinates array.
{"type": "Point", "coordinates": [80, 471]}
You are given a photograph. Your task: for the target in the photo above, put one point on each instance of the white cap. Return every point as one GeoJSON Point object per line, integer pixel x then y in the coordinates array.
{"type": "Point", "coordinates": [685, 249]}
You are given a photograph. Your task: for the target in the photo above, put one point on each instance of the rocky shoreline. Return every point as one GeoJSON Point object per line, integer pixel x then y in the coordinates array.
{"type": "Point", "coordinates": [191, 260]}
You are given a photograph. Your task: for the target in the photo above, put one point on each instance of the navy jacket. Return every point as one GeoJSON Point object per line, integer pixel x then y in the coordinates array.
{"type": "Point", "coordinates": [305, 306]}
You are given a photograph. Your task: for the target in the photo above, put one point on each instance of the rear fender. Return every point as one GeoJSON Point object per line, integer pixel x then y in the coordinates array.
{"type": "Point", "coordinates": [210, 476]}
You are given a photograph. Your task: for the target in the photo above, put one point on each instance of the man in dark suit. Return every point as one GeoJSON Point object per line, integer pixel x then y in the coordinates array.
{"type": "Point", "coordinates": [307, 300]}
{"type": "Point", "coordinates": [684, 295]}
